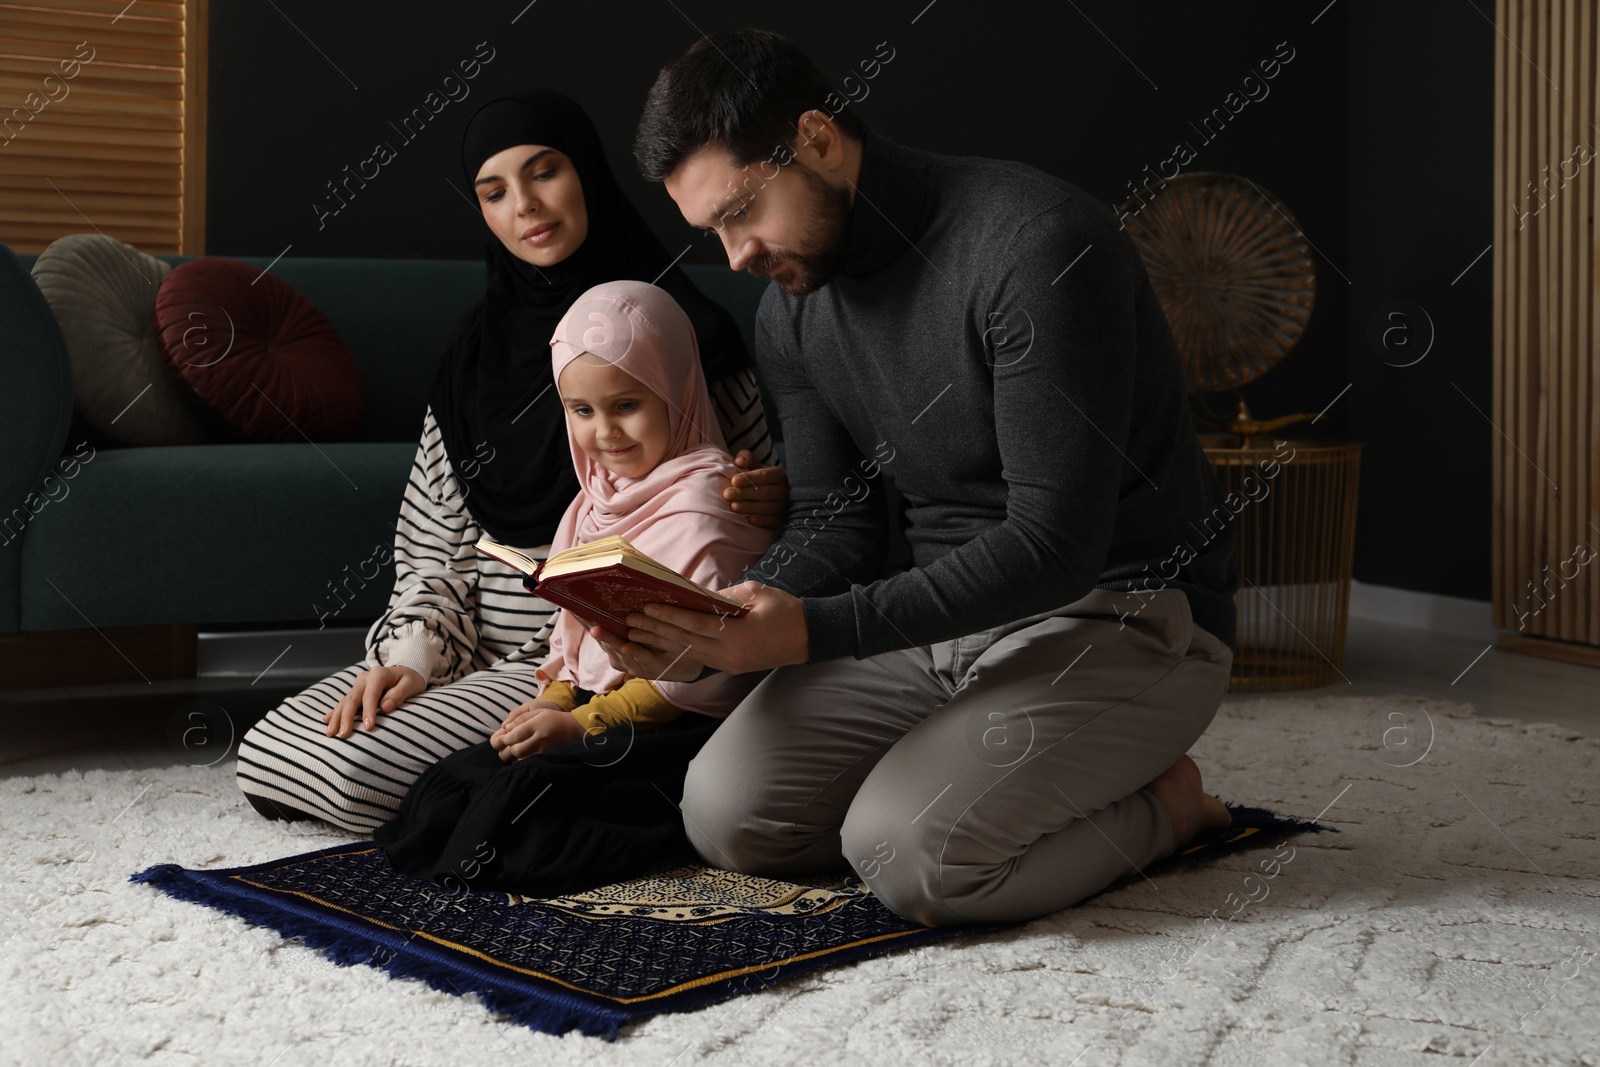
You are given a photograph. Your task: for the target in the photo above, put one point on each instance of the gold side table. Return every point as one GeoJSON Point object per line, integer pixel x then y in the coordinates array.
{"type": "Point", "coordinates": [1295, 503]}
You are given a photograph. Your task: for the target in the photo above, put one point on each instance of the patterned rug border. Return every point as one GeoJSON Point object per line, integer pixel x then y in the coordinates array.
{"type": "Point", "coordinates": [346, 938]}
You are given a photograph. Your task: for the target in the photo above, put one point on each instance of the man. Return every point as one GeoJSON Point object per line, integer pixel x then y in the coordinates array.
{"type": "Point", "coordinates": [999, 731]}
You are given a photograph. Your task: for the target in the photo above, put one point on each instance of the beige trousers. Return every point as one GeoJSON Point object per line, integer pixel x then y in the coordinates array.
{"type": "Point", "coordinates": [995, 777]}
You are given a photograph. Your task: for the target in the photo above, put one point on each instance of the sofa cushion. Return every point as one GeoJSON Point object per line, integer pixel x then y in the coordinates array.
{"type": "Point", "coordinates": [218, 534]}
{"type": "Point", "coordinates": [257, 353]}
{"type": "Point", "coordinates": [103, 293]}
{"type": "Point", "coordinates": [398, 315]}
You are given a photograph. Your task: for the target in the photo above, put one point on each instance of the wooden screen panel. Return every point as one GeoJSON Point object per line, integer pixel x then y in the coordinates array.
{"type": "Point", "coordinates": [1547, 322]}
{"type": "Point", "coordinates": [102, 122]}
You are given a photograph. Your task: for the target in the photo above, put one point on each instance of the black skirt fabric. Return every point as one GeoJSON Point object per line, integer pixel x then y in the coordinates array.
{"type": "Point", "coordinates": [599, 810]}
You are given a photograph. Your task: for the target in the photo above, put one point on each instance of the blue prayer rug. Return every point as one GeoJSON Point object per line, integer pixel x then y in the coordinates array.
{"type": "Point", "coordinates": [675, 940]}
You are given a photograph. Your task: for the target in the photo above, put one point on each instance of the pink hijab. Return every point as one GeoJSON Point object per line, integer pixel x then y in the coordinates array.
{"type": "Point", "coordinates": [675, 514]}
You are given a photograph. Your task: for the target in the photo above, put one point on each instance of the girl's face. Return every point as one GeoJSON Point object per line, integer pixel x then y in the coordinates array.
{"type": "Point", "coordinates": [617, 421]}
{"type": "Point", "coordinates": [533, 201]}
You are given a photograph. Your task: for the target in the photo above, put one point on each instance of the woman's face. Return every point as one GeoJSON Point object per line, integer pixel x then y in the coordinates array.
{"type": "Point", "coordinates": [617, 420]}
{"type": "Point", "coordinates": [533, 201]}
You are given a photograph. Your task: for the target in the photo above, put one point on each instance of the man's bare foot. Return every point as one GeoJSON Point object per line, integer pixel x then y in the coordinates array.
{"type": "Point", "coordinates": [1189, 807]}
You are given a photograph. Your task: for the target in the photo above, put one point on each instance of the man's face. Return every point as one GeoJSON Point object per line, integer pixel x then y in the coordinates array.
{"type": "Point", "coordinates": [789, 224]}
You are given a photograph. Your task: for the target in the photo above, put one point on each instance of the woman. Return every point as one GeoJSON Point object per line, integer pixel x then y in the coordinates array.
{"type": "Point", "coordinates": [459, 644]}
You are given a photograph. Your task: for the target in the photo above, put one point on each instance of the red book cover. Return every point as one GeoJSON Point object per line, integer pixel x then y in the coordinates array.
{"type": "Point", "coordinates": [606, 596]}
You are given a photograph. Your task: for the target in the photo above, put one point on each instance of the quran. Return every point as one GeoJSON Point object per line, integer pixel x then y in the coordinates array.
{"type": "Point", "coordinates": [603, 581]}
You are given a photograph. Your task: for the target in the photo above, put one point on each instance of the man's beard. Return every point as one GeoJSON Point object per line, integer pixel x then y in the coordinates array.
{"type": "Point", "coordinates": [827, 220]}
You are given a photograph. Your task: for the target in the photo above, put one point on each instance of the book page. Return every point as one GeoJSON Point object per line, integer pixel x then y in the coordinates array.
{"type": "Point", "coordinates": [507, 555]}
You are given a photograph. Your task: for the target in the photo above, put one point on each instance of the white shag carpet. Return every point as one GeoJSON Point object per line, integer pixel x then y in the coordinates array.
{"type": "Point", "coordinates": [1455, 920]}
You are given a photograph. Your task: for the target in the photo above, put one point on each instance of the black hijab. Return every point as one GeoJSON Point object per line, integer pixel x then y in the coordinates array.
{"type": "Point", "coordinates": [493, 384]}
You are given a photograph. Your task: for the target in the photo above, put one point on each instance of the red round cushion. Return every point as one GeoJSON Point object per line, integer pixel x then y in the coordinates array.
{"type": "Point", "coordinates": [257, 354]}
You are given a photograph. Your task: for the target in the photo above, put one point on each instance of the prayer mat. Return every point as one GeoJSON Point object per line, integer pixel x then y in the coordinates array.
{"type": "Point", "coordinates": [677, 939]}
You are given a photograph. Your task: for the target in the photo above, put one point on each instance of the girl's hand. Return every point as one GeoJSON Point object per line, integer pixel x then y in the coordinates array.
{"type": "Point", "coordinates": [378, 690]}
{"type": "Point", "coordinates": [517, 715]}
{"type": "Point", "coordinates": [533, 727]}
{"type": "Point", "coordinates": [761, 494]}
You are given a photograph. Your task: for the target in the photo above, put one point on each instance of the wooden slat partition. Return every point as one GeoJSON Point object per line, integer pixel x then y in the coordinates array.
{"type": "Point", "coordinates": [115, 144]}
{"type": "Point", "coordinates": [1546, 571]}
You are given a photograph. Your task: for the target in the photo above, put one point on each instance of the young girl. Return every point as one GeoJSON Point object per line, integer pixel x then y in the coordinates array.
{"type": "Point", "coordinates": [603, 755]}
{"type": "Point", "coordinates": [652, 465]}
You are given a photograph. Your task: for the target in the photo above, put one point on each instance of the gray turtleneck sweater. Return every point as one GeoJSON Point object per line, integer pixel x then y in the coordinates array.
{"type": "Point", "coordinates": [994, 346]}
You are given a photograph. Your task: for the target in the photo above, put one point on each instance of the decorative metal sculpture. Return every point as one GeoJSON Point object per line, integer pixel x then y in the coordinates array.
{"type": "Point", "coordinates": [1235, 277]}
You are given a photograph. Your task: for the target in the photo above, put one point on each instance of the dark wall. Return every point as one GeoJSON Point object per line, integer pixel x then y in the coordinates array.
{"type": "Point", "coordinates": [1421, 158]}
{"type": "Point", "coordinates": [1095, 94]}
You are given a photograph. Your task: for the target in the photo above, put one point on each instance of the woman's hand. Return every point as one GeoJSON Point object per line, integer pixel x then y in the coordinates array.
{"type": "Point", "coordinates": [533, 727]}
{"type": "Point", "coordinates": [761, 494]}
{"type": "Point", "coordinates": [379, 689]}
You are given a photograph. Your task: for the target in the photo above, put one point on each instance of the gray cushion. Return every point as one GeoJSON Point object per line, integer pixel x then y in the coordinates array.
{"type": "Point", "coordinates": [103, 293]}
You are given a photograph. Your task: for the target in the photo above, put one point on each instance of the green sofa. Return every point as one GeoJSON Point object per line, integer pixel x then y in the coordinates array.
{"type": "Point", "coordinates": [230, 535]}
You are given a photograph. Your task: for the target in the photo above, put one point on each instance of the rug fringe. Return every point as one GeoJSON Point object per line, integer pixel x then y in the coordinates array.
{"type": "Point", "coordinates": [1250, 828]}
{"type": "Point", "coordinates": [1266, 819]}
{"type": "Point", "coordinates": [526, 1008]}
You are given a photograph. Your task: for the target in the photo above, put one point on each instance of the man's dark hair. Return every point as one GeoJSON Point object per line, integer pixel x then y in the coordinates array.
{"type": "Point", "coordinates": [743, 89]}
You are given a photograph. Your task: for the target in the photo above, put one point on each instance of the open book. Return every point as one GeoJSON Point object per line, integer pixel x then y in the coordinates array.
{"type": "Point", "coordinates": [603, 581]}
